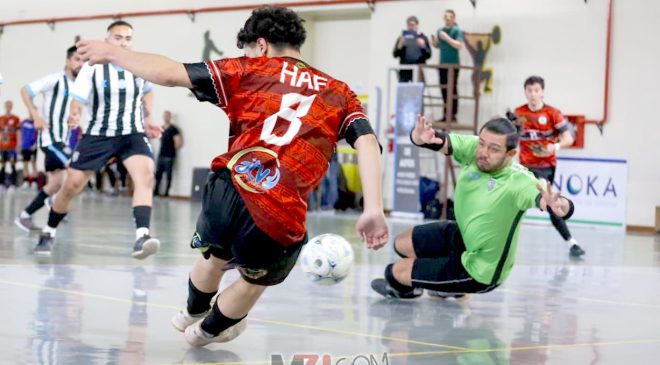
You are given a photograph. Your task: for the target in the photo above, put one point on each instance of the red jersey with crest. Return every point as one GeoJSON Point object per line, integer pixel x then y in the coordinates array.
{"type": "Point", "coordinates": [539, 129]}
{"type": "Point", "coordinates": [9, 126]}
{"type": "Point", "coordinates": [285, 120]}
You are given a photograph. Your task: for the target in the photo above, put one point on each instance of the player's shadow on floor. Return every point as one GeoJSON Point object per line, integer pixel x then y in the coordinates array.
{"type": "Point", "coordinates": [204, 355]}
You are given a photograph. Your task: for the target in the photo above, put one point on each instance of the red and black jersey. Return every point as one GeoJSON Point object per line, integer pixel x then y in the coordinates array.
{"type": "Point", "coordinates": [285, 120]}
{"type": "Point", "coordinates": [539, 129]}
{"type": "Point", "coordinates": [9, 126]}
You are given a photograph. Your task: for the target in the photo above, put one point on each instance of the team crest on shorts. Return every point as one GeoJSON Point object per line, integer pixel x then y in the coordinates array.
{"type": "Point", "coordinates": [253, 274]}
{"type": "Point", "coordinates": [256, 169]}
{"type": "Point", "coordinates": [75, 156]}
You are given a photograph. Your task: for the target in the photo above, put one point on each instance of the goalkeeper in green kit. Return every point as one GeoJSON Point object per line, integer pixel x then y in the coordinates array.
{"type": "Point", "coordinates": [475, 253]}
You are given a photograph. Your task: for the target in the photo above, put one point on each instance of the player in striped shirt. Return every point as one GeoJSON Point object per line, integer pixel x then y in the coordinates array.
{"type": "Point", "coordinates": [119, 115]}
{"type": "Point", "coordinates": [51, 121]}
{"type": "Point", "coordinates": [285, 120]}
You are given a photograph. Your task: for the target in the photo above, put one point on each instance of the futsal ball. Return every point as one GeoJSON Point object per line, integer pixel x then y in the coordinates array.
{"type": "Point", "coordinates": [327, 259]}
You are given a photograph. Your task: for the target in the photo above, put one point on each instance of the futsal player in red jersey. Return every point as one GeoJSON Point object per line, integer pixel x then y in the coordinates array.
{"type": "Point", "coordinates": [543, 131]}
{"type": "Point", "coordinates": [285, 120]}
{"type": "Point", "coordinates": [10, 127]}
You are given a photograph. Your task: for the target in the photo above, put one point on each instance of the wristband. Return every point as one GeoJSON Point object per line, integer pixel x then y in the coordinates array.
{"type": "Point", "coordinates": [431, 146]}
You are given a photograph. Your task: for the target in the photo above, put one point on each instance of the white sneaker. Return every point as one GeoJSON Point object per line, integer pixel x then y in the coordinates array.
{"type": "Point", "coordinates": [145, 246]}
{"type": "Point", "coordinates": [197, 337]}
{"type": "Point", "coordinates": [183, 319]}
{"type": "Point", "coordinates": [26, 224]}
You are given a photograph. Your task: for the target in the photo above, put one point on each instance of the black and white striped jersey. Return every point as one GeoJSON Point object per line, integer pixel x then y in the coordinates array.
{"type": "Point", "coordinates": [55, 106]}
{"type": "Point", "coordinates": [114, 99]}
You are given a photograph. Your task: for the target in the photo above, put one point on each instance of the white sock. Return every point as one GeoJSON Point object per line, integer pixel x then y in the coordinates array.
{"type": "Point", "coordinates": [24, 215]}
{"type": "Point", "coordinates": [50, 230]}
{"type": "Point", "coordinates": [571, 242]}
{"type": "Point", "coordinates": [140, 232]}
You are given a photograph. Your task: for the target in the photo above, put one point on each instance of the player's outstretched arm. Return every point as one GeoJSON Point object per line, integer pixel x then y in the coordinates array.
{"type": "Point", "coordinates": [151, 128]}
{"type": "Point", "coordinates": [158, 69]}
{"type": "Point", "coordinates": [75, 112]}
{"type": "Point", "coordinates": [371, 225]}
{"type": "Point", "coordinates": [39, 122]}
{"type": "Point", "coordinates": [423, 135]}
{"type": "Point", "coordinates": [550, 199]}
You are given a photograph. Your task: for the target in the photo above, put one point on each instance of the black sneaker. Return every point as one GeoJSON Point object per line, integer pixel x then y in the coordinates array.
{"type": "Point", "coordinates": [446, 296]}
{"type": "Point", "coordinates": [382, 287]}
{"type": "Point", "coordinates": [576, 251]}
{"type": "Point", "coordinates": [26, 224]}
{"type": "Point", "coordinates": [45, 245]}
{"type": "Point", "coordinates": [145, 246]}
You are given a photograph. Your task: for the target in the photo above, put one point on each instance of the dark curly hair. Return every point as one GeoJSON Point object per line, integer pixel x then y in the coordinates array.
{"type": "Point", "coordinates": [535, 80]}
{"type": "Point", "coordinates": [503, 127]}
{"type": "Point", "coordinates": [281, 27]}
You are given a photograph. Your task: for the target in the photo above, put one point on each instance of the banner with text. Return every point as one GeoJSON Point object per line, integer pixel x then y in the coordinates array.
{"type": "Point", "coordinates": [597, 187]}
{"type": "Point", "coordinates": [406, 155]}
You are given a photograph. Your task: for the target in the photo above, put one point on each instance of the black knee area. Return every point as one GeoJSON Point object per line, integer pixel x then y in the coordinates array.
{"type": "Point", "coordinates": [198, 301]}
{"type": "Point", "coordinates": [217, 322]}
{"type": "Point", "coordinates": [389, 276]}
{"type": "Point", "coordinates": [397, 251]}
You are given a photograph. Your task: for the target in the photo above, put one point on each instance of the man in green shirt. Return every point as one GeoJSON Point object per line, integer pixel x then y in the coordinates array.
{"type": "Point", "coordinates": [475, 253]}
{"type": "Point", "coordinates": [449, 41]}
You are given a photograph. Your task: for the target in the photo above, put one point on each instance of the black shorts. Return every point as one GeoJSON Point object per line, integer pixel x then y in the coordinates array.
{"type": "Point", "coordinates": [94, 152]}
{"type": "Point", "coordinates": [8, 156]}
{"type": "Point", "coordinates": [226, 230]}
{"type": "Point", "coordinates": [547, 173]}
{"type": "Point", "coordinates": [28, 155]}
{"type": "Point", "coordinates": [438, 247]}
{"type": "Point", "coordinates": [57, 156]}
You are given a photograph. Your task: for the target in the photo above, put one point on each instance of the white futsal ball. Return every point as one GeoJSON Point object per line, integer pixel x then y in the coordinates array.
{"type": "Point", "coordinates": [327, 259]}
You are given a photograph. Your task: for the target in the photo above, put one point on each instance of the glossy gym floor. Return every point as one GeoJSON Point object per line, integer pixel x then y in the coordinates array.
{"type": "Point", "coordinates": [91, 303]}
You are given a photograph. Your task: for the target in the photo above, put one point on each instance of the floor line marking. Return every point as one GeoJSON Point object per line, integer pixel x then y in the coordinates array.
{"type": "Point", "coordinates": [584, 299]}
{"type": "Point", "coordinates": [281, 323]}
{"type": "Point", "coordinates": [450, 350]}
{"type": "Point", "coordinates": [121, 248]}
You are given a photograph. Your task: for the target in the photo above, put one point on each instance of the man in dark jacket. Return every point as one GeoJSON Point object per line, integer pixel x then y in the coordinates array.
{"type": "Point", "coordinates": [412, 47]}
